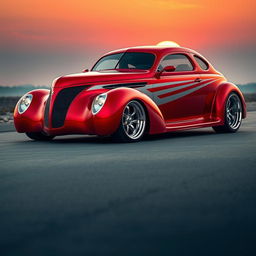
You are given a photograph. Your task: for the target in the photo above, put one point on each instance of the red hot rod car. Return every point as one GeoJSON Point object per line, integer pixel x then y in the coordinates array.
{"type": "Point", "coordinates": [132, 92]}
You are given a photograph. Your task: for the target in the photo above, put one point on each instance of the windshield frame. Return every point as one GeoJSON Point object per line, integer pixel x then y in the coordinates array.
{"type": "Point", "coordinates": [123, 54]}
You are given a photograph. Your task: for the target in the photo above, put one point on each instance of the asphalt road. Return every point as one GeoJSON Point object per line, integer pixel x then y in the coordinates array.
{"type": "Point", "coordinates": [185, 193]}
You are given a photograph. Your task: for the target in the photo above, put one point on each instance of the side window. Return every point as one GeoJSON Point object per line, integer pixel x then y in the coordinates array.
{"type": "Point", "coordinates": [179, 61]}
{"type": "Point", "coordinates": [202, 63]}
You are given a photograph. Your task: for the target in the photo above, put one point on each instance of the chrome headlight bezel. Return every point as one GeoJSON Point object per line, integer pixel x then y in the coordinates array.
{"type": "Point", "coordinates": [24, 103]}
{"type": "Point", "coordinates": [98, 103]}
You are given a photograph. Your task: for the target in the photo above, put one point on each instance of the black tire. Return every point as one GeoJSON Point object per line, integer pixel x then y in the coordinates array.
{"type": "Point", "coordinates": [233, 115]}
{"type": "Point", "coordinates": [39, 136]}
{"type": "Point", "coordinates": [133, 123]}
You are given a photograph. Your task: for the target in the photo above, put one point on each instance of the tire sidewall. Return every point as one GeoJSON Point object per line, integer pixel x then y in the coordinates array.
{"type": "Point", "coordinates": [226, 119]}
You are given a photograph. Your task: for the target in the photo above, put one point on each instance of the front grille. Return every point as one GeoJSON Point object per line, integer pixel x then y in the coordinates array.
{"type": "Point", "coordinates": [62, 103]}
{"type": "Point", "coordinates": [46, 111]}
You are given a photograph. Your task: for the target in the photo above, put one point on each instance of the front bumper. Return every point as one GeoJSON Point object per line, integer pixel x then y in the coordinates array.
{"type": "Point", "coordinates": [54, 114]}
{"type": "Point", "coordinates": [78, 118]}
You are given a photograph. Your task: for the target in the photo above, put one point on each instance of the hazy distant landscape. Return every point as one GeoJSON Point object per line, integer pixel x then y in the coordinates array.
{"type": "Point", "coordinates": [19, 90]}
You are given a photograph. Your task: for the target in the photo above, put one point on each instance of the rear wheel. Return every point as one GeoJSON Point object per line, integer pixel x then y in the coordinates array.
{"type": "Point", "coordinates": [133, 123]}
{"type": "Point", "coordinates": [233, 115]}
{"type": "Point", "coordinates": [39, 136]}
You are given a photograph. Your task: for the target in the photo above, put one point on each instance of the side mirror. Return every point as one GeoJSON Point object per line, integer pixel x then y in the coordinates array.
{"type": "Point", "coordinates": [85, 70]}
{"type": "Point", "coordinates": [169, 69]}
{"type": "Point", "coordinates": [165, 69]}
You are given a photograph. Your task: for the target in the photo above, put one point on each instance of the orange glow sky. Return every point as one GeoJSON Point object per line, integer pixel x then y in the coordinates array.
{"type": "Point", "coordinates": [44, 39]}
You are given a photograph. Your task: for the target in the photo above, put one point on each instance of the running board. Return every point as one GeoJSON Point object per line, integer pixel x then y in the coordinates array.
{"type": "Point", "coordinates": [183, 126]}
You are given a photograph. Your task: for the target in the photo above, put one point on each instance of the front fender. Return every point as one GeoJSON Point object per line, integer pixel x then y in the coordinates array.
{"type": "Point", "coordinates": [108, 119]}
{"type": "Point", "coordinates": [218, 110]}
{"type": "Point", "coordinates": [32, 119]}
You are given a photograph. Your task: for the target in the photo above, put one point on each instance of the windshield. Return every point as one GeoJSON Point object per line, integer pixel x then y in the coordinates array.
{"type": "Point", "coordinates": [127, 60]}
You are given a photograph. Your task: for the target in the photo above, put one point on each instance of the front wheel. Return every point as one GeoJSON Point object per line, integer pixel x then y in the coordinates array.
{"type": "Point", "coordinates": [133, 123]}
{"type": "Point", "coordinates": [39, 136]}
{"type": "Point", "coordinates": [233, 115]}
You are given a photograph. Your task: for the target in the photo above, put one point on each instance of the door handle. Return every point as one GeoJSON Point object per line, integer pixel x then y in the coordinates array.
{"type": "Point", "coordinates": [198, 80]}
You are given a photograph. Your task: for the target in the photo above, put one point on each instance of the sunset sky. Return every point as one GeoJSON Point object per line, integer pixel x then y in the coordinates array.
{"type": "Point", "coordinates": [40, 40]}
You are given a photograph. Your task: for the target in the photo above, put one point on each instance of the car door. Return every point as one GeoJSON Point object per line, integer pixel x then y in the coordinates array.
{"type": "Point", "coordinates": [177, 93]}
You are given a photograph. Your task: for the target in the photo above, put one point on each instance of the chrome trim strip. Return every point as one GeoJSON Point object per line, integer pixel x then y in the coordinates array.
{"type": "Point", "coordinates": [191, 125]}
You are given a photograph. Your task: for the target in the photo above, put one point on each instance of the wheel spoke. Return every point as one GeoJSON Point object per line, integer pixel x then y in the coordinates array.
{"type": "Point", "coordinates": [133, 113]}
{"type": "Point", "coordinates": [132, 127]}
{"type": "Point", "coordinates": [126, 117]}
{"type": "Point", "coordinates": [128, 110]}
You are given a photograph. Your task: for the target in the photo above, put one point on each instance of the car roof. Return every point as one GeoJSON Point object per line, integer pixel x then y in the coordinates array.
{"type": "Point", "coordinates": [154, 49]}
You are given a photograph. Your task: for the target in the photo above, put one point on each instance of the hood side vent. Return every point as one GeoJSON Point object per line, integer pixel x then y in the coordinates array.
{"type": "Point", "coordinates": [129, 85]}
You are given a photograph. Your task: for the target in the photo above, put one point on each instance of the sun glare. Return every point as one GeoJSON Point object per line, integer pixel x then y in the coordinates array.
{"type": "Point", "coordinates": [168, 43]}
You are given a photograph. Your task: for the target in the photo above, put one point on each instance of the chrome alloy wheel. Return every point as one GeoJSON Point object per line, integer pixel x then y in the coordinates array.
{"type": "Point", "coordinates": [234, 111]}
{"type": "Point", "coordinates": [134, 120]}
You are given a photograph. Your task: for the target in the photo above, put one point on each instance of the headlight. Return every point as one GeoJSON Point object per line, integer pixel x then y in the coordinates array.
{"type": "Point", "coordinates": [98, 103]}
{"type": "Point", "coordinates": [24, 103]}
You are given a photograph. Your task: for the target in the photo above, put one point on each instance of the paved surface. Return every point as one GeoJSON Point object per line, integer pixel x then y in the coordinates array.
{"type": "Point", "coordinates": [7, 127]}
{"type": "Point", "coordinates": [186, 193]}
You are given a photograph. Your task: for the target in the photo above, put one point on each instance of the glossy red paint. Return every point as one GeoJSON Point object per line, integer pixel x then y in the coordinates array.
{"type": "Point", "coordinates": [173, 100]}
{"type": "Point", "coordinates": [111, 112]}
{"type": "Point", "coordinates": [32, 120]}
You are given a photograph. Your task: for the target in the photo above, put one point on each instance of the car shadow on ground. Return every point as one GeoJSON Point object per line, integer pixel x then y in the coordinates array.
{"type": "Point", "coordinates": [109, 140]}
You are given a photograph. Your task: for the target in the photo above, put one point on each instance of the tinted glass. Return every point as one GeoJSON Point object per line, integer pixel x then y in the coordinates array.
{"type": "Point", "coordinates": [203, 64]}
{"type": "Point", "coordinates": [179, 61]}
{"type": "Point", "coordinates": [136, 60]}
{"type": "Point", "coordinates": [128, 60]}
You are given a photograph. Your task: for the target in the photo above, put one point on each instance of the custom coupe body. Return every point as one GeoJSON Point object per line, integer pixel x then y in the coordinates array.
{"type": "Point", "coordinates": [132, 92]}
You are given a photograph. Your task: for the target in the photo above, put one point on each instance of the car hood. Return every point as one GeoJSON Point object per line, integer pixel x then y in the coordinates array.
{"type": "Point", "coordinates": [91, 78]}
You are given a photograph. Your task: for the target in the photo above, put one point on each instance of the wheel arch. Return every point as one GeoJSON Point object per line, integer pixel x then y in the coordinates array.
{"type": "Point", "coordinates": [113, 108]}
{"type": "Point", "coordinates": [224, 89]}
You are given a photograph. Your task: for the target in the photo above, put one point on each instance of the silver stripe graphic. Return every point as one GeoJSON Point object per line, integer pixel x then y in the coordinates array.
{"type": "Point", "coordinates": [149, 86]}
{"type": "Point", "coordinates": [158, 93]}
{"type": "Point", "coordinates": [182, 94]}
{"type": "Point", "coordinates": [160, 101]}
{"type": "Point", "coordinates": [153, 94]}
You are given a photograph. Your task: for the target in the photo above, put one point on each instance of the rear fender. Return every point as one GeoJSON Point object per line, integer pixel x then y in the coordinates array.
{"type": "Point", "coordinates": [218, 110]}
{"type": "Point", "coordinates": [108, 119]}
{"type": "Point", "coordinates": [32, 119]}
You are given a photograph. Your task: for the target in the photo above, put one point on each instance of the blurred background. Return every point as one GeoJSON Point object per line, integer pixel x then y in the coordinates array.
{"type": "Point", "coordinates": [41, 40]}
